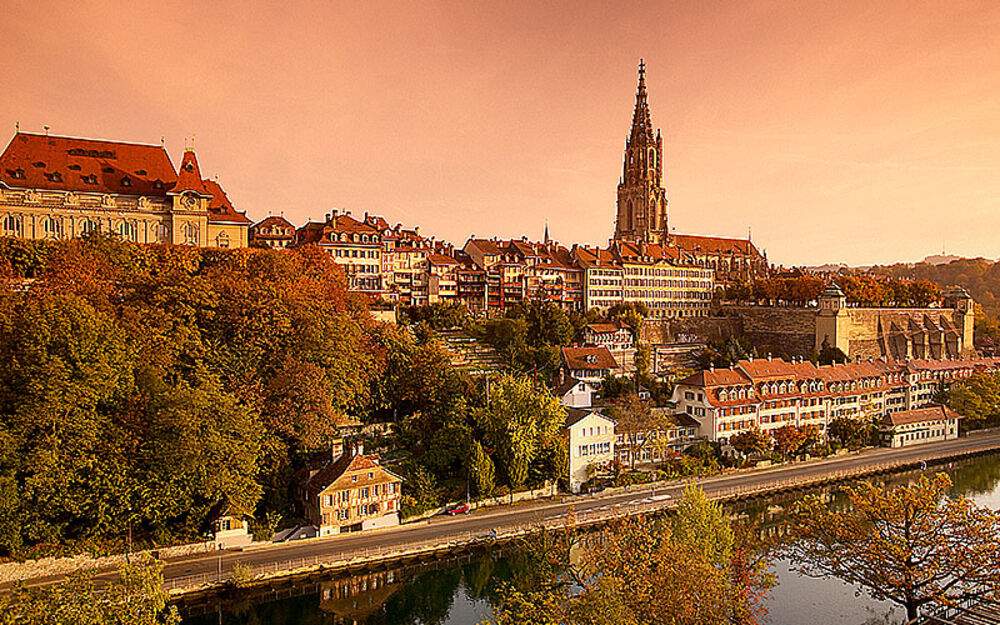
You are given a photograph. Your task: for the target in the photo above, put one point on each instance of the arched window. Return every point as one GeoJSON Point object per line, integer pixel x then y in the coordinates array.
{"type": "Point", "coordinates": [12, 225]}
{"type": "Point", "coordinates": [161, 233]}
{"type": "Point", "coordinates": [190, 232]}
{"type": "Point", "coordinates": [127, 231]}
{"type": "Point", "coordinates": [90, 225]}
{"type": "Point", "coordinates": [52, 227]}
{"type": "Point", "coordinates": [723, 395]}
{"type": "Point", "coordinates": [222, 240]}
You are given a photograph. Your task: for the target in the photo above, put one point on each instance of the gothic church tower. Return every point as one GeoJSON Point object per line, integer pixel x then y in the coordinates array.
{"type": "Point", "coordinates": [642, 200]}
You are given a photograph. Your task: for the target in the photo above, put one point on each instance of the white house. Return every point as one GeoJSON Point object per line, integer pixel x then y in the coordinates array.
{"type": "Point", "coordinates": [574, 393]}
{"type": "Point", "coordinates": [921, 425]}
{"type": "Point", "coordinates": [591, 445]}
{"type": "Point", "coordinates": [590, 364]}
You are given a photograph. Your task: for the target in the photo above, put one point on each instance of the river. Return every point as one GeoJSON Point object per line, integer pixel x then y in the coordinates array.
{"type": "Point", "coordinates": [459, 591]}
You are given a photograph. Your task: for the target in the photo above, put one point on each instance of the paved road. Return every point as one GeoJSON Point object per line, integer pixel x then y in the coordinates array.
{"type": "Point", "coordinates": [482, 522]}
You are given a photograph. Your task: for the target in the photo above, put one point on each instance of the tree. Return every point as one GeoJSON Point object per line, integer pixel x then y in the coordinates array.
{"type": "Point", "coordinates": [977, 398]}
{"type": "Point", "coordinates": [911, 545]}
{"type": "Point", "coordinates": [645, 571]}
{"type": "Point", "coordinates": [788, 439]}
{"type": "Point", "coordinates": [751, 442]}
{"type": "Point", "coordinates": [520, 420]}
{"type": "Point", "coordinates": [482, 470]}
{"type": "Point", "coordinates": [137, 598]}
{"type": "Point", "coordinates": [852, 433]}
{"type": "Point", "coordinates": [637, 423]}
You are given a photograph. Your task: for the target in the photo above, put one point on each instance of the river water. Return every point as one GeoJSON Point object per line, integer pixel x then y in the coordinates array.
{"type": "Point", "coordinates": [460, 591]}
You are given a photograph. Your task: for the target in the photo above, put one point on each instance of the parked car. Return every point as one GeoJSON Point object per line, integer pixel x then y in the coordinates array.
{"type": "Point", "coordinates": [462, 508]}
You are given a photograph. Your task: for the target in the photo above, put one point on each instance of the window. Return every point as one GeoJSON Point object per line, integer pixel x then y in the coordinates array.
{"type": "Point", "coordinates": [222, 241]}
{"type": "Point", "coordinates": [161, 232]}
{"type": "Point", "coordinates": [127, 231]}
{"type": "Point", "coordinates": [12, 225]}
{"type": "Point", "coordinates": [90, 225]}
{"type": "Point", "coordinates": [190, 232]}
{"type": "Point", "coordinates": [53, 228]}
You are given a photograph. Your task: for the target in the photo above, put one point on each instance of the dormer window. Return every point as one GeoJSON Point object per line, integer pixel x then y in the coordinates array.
{"type": "Point", "coordinates": [17, 174]}
{"type": "Point", "coordinates": [38, 164]}
{"type": "Point", "coordinates": [89, 179]}
{"type": "Point", "coordinates": [74, 167]}
{"type": "Point", "coordinates": [108, 170]}
{"type": "Point", "coordinates": [126, 182]}
{"type": "Point", "coordinates": [157, 184]}
{"type": "Point", "coordinates": [54, 177]}
{"type": "Point", "coordinates": [140, 172]}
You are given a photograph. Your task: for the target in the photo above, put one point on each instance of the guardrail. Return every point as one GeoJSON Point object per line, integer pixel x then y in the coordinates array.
{"type": "Point", "coordinates": [369, 555]}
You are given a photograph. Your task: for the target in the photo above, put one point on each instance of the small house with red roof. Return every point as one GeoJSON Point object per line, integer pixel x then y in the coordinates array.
{"type": "Point", "coordinates": [348, 491]}
{"type": "Point", "coordinates": [588, 364]}
{"type": "Point", "coordinates": [274, 232]}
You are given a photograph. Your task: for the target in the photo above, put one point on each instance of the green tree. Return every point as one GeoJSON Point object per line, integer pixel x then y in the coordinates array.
{"type": "Point", "coordinates": [703, 524]}
{"type": "Point", "coordinates": [483, 473]}
{"type": "Point", "coordinates": [751, 442]}
{"type": "Point", "coordinates": [519, 421]}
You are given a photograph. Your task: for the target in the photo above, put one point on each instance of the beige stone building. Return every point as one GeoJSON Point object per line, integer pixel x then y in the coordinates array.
{"type": "Point", "coordinates": [55, 187]}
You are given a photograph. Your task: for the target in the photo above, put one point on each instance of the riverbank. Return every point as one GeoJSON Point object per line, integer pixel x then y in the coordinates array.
{"type": "Point", "coordinates": [440, 536]}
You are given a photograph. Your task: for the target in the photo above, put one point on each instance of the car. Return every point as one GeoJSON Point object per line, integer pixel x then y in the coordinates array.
{"type": "Point", "coordinates": [462, 508]}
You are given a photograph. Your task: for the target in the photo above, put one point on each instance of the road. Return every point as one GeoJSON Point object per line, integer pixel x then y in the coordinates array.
{"type": "Point", "coordinates": [205, 567]}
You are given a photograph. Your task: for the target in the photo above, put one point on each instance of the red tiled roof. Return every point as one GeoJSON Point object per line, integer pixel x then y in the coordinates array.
{"type": "Point", "coordinates": [934, 412]}
{"type": "Point", "coordinates": [33, 161]}
{"type": "Point", "coordinates": [714, 245]}
{"type": "Point", "coordinates": [441, 259]}
{"type": "Point", "coordinates": [486, 246]}
{"type": "Point", "coordinates": [189, 175]}
{"type": "Point", "coordinates": [273, 220]}
{"type": "Point", "coordinates": [334, 470]}
{"type": "Point", "coordinates": [220, 209]}
{"type": "Point", "coordinates": [576, 358]}
{"type": "Point", "coordinates": [767, 369]}
{"type": "Point", "coordinates": [604, 327]}
{"type": "Point", "coordinates": [716, 377]}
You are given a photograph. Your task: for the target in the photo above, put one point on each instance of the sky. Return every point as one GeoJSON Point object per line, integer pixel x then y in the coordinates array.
{"type": "Point", "coordinates": [849, 131]}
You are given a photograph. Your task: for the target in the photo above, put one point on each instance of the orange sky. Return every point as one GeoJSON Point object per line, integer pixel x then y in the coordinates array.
{"type": "Point", "coordinates": [840, 131]}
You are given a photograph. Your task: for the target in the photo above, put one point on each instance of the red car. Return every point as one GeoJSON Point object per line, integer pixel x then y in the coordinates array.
{"type": "Point", "coordinates": [462, 508]}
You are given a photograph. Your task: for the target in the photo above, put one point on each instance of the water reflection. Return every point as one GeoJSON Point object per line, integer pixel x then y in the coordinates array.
{"type": "Point", "coordinates": [460, 591]}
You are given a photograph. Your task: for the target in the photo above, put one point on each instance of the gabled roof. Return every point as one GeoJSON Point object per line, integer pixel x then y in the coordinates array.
{"type": "Point", "coordinates": [347, 463]}
{"type": "Point", "coordinates": [441, 259]}
{"type": "Point", "coordinates": [33, 161]}
{"type": "Point", "coordinates": [575, 415]}
{"type": "Point", "coordinates": [568, 385]}
{"type": "Point", "coordinates": [604, 327]}
{"type": "Point", "coordinates": [576, 358]}
{"type": "Point", "coordinates": [486, 246]}
{"type": "Point", "coordinates": [934, 412]}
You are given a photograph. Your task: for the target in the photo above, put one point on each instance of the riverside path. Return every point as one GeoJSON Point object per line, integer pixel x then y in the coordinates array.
{"type": "Point", "coordinates": [443, 532]}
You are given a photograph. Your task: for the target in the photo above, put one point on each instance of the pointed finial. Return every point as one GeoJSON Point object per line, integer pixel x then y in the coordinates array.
{"type": "Point", "coordinates": [163, 141]}
{"type": "Point", "coordinates": [46, 130]}
{"type": "Point", "coordinates": [17, 127]}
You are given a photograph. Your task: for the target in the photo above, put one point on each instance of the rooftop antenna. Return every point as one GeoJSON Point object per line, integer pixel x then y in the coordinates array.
{"type": "Point", "coordinates": [749, 233]}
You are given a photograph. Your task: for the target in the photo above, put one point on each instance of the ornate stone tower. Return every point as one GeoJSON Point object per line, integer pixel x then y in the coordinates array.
{"type": "Point", "coordinates": [642, 200]}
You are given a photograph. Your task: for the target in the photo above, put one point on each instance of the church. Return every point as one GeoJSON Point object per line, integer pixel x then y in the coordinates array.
{"type": "Point", "coordinates": [54, 187]}
{"type": "Point", "coordinates": [642, 215]}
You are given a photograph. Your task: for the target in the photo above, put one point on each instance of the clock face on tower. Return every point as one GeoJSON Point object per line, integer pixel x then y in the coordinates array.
{"type": "Point", "coordinates": [190, 201]}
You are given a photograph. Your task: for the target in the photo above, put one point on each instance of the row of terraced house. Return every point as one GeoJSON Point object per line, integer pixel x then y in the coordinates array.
{"type": "Point", "coordinates": [766, 394]}
{"type": "Point", "coordinates": [400, 265]}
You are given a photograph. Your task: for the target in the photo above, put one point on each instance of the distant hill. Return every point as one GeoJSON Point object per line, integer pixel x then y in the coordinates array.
{"type": "Point", "coordinates": [979, 276]}
{"type": "Point", "coordinates": [941, 259]}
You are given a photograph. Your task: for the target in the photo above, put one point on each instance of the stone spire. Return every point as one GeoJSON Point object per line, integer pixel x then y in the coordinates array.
{"type": "Point", "coordinates": [642, 200]}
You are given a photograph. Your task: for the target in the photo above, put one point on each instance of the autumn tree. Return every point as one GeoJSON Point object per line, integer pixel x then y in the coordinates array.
{"type": "Point", "coordinates": [977, 398]}
{"type": "Point", "coordinates": [788, 439]}
{"type": "Point", "coordinates": [852, 433]}
{"type": "Point", "coordinates": [647, 571]}
{"type": "Point", "coordinates": [912, 545]}
{"type": "Point", "coordinates": [639, 425]}
{"type": "Point", "coordinates": [483, 472]}
{"type": "Point", "coordinates": [751, 442]}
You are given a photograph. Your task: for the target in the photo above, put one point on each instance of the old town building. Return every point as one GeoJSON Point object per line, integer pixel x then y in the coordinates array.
{"type": "Point", "coordinates": [764, 394]}
{"type": "Point", "coordinates": [348, 491]}
{"type": "Point", "coordinates": [273, 232]}
{"type": "Point", "coordinates": [923, 425]}
{"type": "Point", "coordinates": [659, 278]}
{"type": "Point", "coordinates": [355, 245]}
{"type": "Point", "coordinates": [54, 187]}
{"type": "Point", "coordinates": [591, 440]}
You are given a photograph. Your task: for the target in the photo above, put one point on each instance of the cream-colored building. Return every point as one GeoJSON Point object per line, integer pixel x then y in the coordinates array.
{"type": "Point", "coordinates": [591, 445]}
{"type": "Point", "coordinates": [64, 187]}
{"type": "Point", "coordinates": [923, 425]}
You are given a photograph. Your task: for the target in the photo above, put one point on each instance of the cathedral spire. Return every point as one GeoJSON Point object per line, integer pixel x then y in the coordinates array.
{"type": "Point", "coordinates": [641, 123]}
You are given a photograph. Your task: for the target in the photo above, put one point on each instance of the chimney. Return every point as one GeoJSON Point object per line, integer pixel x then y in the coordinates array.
{"type": "Point", "coordinates": [359, 448]}
{"type": "Point", "coordinates": [333, 214]}
{"type": "Point", "coordinates": [336, 450]}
